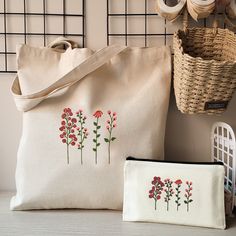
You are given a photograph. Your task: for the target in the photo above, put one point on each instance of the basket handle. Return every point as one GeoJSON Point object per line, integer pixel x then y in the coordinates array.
{"type": "Point", "coordinates": [228, 22]}
{"type": "Point", "coordinates": [185, 20]}
{"type": "Point", "coordinates": [215, 23]}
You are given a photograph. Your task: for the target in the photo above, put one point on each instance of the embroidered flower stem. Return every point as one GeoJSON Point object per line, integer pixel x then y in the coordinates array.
{"type": "Point", "coordinates": [68, 125]}
{"type": "Point", "coordinates": [82, 132]}
{"type": "Point", "coordinates": [188, 194]}
{"type": "Point", "coordinates": [110, 126]}
{"type": "Point", "coordinates": [67, 141]}
{"type": "Point", "coordinates": [97, 115]}
{"type": "Point", "coordinates": [177, 201]}
{"type": "Point", "coordinates": [169, 192]}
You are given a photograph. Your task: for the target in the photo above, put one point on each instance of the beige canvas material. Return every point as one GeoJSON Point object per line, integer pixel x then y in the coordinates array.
{"type": "Point", "coordinates": [175, 193]}
{"type": "Point", "coordinates": [28, 101]}
{"type": "Point", "coordinates": [128, 87]}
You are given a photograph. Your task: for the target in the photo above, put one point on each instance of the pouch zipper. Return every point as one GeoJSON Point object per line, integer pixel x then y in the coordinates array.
{"type": "Point", "coordinates": [175, 162]}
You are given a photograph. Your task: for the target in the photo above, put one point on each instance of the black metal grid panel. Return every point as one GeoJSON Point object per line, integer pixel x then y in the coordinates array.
{"type": "Point", "coordinates": [162, 33]}
{"type": "Point", "coordinates": [126, 15]}
{"type": "Point", "coordinates": [61, 19]}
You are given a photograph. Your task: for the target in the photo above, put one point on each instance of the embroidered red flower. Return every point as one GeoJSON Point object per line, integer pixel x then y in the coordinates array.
{"type": "Point", "coordinates": [156, 190]}
{"type": "Point", "coordinates": [98, 114]}
{"type": "Point", "coordinates": [178, 181]}
{"type": "Point", "coordinates": [68, 125]}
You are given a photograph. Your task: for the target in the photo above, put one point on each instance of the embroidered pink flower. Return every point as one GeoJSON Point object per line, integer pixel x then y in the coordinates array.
{"type": "Point", "coordinates": [169, 191]}
{"type": "Point", "coordinates": [82, 132]}
{"type": "Point", "coordinates": [188, 194]}
{"type": "Point", "coordinates": [110, 125]}
{"type": "Point", "coordinates": [98, 114]}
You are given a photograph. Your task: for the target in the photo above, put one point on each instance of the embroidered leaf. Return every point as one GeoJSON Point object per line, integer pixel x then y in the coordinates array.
{"type": "Point", "coordinates": [99, 127]}
{"type": "Point", "coordinates": [185, 202]}
{"type": "Point", "coordinates": [106, 140]}
{"type": "Point", "coordinates": [82, 146]}
{"type": "Point", "coordinates": [179, 204]}
{"type": "Point", "coordinates": [98, 135]}
{"type": "Point", "coordinates": [176, 201]}
{"type": "Point", "coordinates": [95, 123]}
{"type": "Point", "coordinates": [94, 140]}
{"type": "Point", "coordinates": [94, 149]}
{"type": "Point", "coordinates": [190, 200]}
{"type": "Point", "coordinates": [113, 138]}
{"type": "Point", "coordinates": [98, 144]}
{"type": "Point", "coordinates": [95, 131]}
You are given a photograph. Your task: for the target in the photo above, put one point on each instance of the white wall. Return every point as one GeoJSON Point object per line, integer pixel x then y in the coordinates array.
{"type": "Point", "coordinates": [187, 137]}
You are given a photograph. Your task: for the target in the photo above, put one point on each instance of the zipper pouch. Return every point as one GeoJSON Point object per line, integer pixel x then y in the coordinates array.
{"type": "Point", "coordinates": [176, 193]}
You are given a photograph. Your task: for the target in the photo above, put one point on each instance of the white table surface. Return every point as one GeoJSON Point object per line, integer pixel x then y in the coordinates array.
{"type": "Point", "coordinates": [90, 222]}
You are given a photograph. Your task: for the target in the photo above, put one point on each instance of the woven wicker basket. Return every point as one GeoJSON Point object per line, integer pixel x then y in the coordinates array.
{"type": "Point", "coordinates": [204, 69]}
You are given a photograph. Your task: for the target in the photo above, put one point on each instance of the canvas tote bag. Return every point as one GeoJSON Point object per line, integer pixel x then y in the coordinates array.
{"type": "Point", "coordinates": [83, 114]}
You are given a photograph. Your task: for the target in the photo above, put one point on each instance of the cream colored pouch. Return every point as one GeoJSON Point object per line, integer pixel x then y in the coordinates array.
{"type": "Point", "coordinates": [176, 193]}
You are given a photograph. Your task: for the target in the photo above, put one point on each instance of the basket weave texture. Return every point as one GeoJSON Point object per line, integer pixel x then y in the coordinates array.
{"type": "Point", "coordinates": [204, 68]}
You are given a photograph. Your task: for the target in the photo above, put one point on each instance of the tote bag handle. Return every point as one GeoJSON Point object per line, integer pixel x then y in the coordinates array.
{"type": "Point", "coordinates": [63, 43]}
{"type": "Point", "coordinates": [99, 58]}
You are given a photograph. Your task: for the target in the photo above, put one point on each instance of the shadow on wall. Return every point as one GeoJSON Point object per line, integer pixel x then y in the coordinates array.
{"type": "Point", "coordinates": [188, 137]}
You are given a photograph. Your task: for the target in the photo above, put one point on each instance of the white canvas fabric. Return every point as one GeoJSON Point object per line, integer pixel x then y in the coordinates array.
{"type": "Point", "coordinates": [186, 194]}
{"type": "Point", "coordinates": [83, 114]}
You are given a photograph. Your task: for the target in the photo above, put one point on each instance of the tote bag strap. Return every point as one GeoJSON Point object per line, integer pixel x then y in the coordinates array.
{"type": "Point", "coordinates": [63, 43]}
{"type": "Point", "coordinates": [99, 58]}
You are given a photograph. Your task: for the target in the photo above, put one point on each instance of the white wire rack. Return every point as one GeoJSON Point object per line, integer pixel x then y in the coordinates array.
{"type": "Point", "coordinates": [223, 149]}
